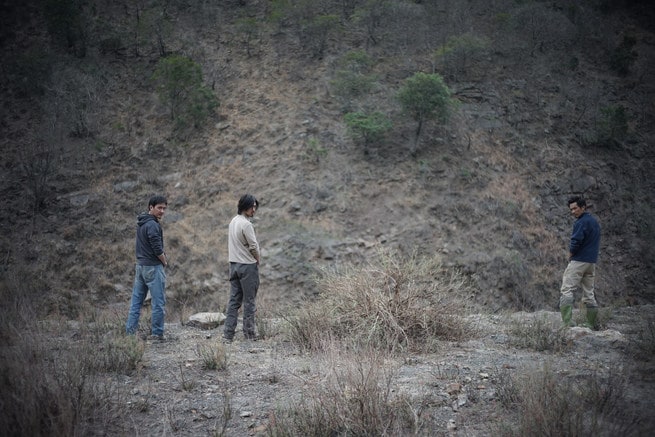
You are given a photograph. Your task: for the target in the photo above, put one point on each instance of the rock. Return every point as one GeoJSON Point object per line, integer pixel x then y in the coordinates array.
{"type": "Point", "coordinates": [453, 388]}
{"type": "Point", "coordinates": [206, 320]}
{"type": "Point", "coordinates": [125, 186]}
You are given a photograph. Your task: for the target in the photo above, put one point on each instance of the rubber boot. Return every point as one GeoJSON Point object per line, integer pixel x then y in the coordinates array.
{"type": "Point", "coordinates": [567, 313]}
{"type": "Point", "coordinates": [592, 314]}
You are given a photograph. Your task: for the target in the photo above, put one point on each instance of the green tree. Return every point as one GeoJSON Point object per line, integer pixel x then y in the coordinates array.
{"type": "Point", "coordinates": [367, 128]}
{"type": "Point", "coordinates": [425, 97]}
{"type": "Point", "coordinates": [180, 86]}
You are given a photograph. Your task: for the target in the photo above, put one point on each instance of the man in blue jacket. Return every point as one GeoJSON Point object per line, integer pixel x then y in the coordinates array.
{"type": "Point", "coordinates": [581, 270]}
{"type": "Point", "coordinates": [150, 263]}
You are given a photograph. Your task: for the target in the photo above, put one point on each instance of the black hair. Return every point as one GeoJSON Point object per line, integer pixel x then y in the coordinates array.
{"type": "Point", "coordinates": [156, 200]}
{"type": "Point", "coordinates": [247, 201]}
{"type": "Point", "coordinates": [577, 199]}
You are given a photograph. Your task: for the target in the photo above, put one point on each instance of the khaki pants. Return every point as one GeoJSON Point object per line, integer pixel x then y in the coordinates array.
{"type": "Point", "coordinates": [578, 274]}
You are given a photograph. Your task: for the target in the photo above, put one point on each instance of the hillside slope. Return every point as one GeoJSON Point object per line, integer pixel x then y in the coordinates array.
{"type": "Point", "coordinates": [487, 189]}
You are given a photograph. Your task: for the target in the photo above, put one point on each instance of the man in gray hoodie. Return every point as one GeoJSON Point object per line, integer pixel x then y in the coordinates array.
{"type": "Point", "coordinates": [150, 274]}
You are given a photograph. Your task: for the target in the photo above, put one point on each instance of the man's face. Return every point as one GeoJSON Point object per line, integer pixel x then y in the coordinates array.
{"type": "Point", "coordinates": [576, 210]}
{"type": "Point", "coordinates": [158, 210]}
{"type": "Point", "coordinates": [250, 212]}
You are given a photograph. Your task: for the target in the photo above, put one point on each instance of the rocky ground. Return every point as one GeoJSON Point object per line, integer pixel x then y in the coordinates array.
{"type": "Point", "coordinates": [455, 391]}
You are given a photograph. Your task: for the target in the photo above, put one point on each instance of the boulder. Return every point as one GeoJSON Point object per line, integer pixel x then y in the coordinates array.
{"type": "Point", "coordinates": [206, 320]}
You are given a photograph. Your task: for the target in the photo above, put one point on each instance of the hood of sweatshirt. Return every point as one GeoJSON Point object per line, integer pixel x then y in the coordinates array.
{"type": "Point", "coordinates": [144, 218]}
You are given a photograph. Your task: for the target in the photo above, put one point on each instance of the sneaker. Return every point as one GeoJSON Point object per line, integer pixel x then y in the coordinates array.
{"type": "Point", "coordinates": [156, 338]}
{"type": "Point", "coordinates": [252, 337]}
{"type": "Point", "coordinates": [226, 340]}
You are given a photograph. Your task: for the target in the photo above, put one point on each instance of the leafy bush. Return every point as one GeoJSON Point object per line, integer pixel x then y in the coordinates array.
{"type": "Point", "coordinates": [348, 85]}
{"type": "Point", "coordinates": [425, 97]}
{"type": "Point", "coordinates": [391, 305]}
{"type": "Point", "coordinates": [179, 84]}
{"type": "Point", "coordinates": [367, 128]}
{"type": "Point", "coordinates": [353, 80]}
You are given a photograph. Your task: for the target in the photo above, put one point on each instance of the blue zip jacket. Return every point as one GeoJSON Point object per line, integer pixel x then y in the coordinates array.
{"type": "Point", "coordinates": [149, 240]}
{"type": "Point", "coordinates": [585, 239]}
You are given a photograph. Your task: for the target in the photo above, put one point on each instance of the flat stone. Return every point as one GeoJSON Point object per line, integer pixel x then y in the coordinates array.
{"type": "Point", "coordinates": [206, 320]}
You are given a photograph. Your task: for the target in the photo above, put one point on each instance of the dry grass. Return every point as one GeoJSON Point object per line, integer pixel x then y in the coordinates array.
{"type": "Point", "coordinates": [51, 383]}
{"type": "Point", "coordinates": [546, 403]}
{"type": "Point", "coordinates": [539, 334]}
{"type": "Point", "coordinates": [354, 397]}
{"type": "Point", "coordinates": [393, 304]}
{"type": "Point", "coordinates": [213, 356]}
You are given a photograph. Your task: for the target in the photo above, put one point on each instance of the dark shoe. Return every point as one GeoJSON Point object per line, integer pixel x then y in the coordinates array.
{"type": "Point", "coordinates": [226, 340]}
{"type": "Point", "coordinates": [157, 338]}
{"type": "Point", "coordinates": [252, 337]}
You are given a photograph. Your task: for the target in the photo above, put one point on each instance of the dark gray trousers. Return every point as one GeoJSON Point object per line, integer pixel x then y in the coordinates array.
{"type": "Point", "coordinates": [244, 283]}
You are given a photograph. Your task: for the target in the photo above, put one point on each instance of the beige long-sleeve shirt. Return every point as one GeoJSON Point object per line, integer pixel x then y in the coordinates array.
{"type": "Point", "coordinates": [242, 242]}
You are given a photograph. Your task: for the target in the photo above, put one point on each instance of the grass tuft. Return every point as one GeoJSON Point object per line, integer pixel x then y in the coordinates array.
{"type": "Point", "coordinates": [547, 403]}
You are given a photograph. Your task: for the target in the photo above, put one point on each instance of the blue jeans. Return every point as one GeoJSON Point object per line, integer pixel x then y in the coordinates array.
{"type": "Point", "coordinates": [146, 278]}
{"type": "Point", "coordinates": [244, 282]}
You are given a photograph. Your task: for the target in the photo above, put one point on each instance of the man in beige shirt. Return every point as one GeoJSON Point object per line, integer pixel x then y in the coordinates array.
{"type": "Point", "coordinates": [244, 269]}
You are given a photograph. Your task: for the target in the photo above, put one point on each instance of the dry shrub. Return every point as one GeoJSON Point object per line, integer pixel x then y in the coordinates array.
{"type": "Point", "coordinates": [50, 382]}
{"type": "Point", "coordinates": [354, 397]}
{"type": "Point", "coordinates": [643, 344]}
{"type": "Point", "coordinates": [393, 304]}
{"type": "Point", "coordinates": [549, 404]}
{"type": "Point", "coordinates": [51, 389]}
{"type": "Point", "coordinates": [539, 334]}
{"type": "Point", "coordinates": [213, 357]}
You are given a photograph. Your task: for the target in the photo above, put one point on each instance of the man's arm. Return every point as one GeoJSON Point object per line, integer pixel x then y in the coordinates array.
{"type": "Point", "coordinates": [577, 237]}
{"type": "Point", "coordinates": [156, 242]}
{"type": "Point", "coordinates": [253, 245]}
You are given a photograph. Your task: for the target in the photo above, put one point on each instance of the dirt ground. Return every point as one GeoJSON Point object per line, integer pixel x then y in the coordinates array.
{"type": "Point", "coordinates": [455, 392]}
